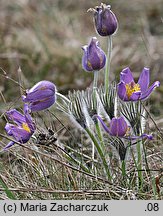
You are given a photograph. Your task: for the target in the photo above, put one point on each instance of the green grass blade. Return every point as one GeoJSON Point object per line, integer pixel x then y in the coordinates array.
{"type": "Point", "coordinates": [9, 194]}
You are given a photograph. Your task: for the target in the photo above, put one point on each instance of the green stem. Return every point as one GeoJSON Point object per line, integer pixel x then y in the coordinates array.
{"type": "Point", "coordinates": [95, 79]}
{"type": "Point", "coordinates": [99, 133]}
{"type": "Point", "coordinates": [101, 154]}
{"type": "Point", "coordinates": [93, 155]}
{"type": "Point", "coordinates": [98, 129]}
{"type": "Point", "coordinates": [123, 168]}
{"type": "Point", "coordinates": [108, 61]}
{"type": "Point", "coordinates": [139, 164]}
{"type": "Point", "coordinates": [94, 100]}
{"type": "Point", "coordinates": [139, 131]}
{"type": "Point", "coordinates": [145, 158]}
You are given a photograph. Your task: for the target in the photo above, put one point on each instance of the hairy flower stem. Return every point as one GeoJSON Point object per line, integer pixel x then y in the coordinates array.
{"type": "Point", "coordinates": [139, 164]}
{"type": "Point", "coordinates": [95, 80]}
{"type": "Point", "coordinates": [140, 130]}
{"type": "Point", "coordinates": [108, 61]}
{"type": "Point", "coordinates": [101, 154]}
{"type": "Point", "coordinates": [146, 161]}
{"type": "Point", "coordinates": [98, 129]}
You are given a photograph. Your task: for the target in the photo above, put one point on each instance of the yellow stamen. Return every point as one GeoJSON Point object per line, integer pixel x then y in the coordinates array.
{"type": "Point", "coordinates": [89, 64]}
{"type": "Point", "coordinates": [131, 88]}
{"type": "Point", "coordinates": [128, 132]}
{"type": "Point", "coordinates": [25, 127]}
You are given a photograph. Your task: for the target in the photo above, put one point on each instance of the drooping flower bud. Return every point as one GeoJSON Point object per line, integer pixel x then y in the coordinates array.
{"type": "Point", "coordinates": [94, 57]}
{"type": "Point", "coordinates": [105, 20]}
{"type": "Point", "coordinates": [119, 128]}
{"type": "Point", "coordinates": [41, 96]}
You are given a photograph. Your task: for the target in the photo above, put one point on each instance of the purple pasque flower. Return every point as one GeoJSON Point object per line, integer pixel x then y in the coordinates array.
{"type": "Point", "coordinates": [105, 20]}
{"type": "Point", "coordinates": [128, 90]}
{"type": "Point", "coordinates": [41, 96]}
{"type": "Point", "coordinates": [23, 126]}
{"type": "Point", "coordinates": [119, 128]}
{"type": "Point", "coordinates": [94, 57]}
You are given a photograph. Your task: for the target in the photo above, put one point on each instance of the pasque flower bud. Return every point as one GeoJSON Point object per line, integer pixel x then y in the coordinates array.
{"type": "Point", "coordinates": [105, 20]}
{"type": "Point", "coordinates": [94, 57]}
{"type": "Point", "coordinates": [41, 96]}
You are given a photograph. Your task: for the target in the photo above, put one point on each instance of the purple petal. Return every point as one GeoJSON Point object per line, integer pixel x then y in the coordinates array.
{"type": "Point", "coordinates": [42, 85]}
{"type": "Point", "coordinates": [11, 143]}
{"type": "Point", "coordinates": [118, 127]}
{"type": "Point", "coordinates": [109, 22]}
{"type": "Point", "coordinates": [98, 22]}
{"type": "Point", "coordinates": [135, 96]}
{"type": "Point", "coordinates": [41, 90]}
{"type": "Point", "coordinates": [148, 136]}
{"type": "Point", "coordinates": [103, 124]}
{"type": "Point", "coordinates": [8, 128]}
{"type": "Point", "coordinates": [40, 105]}
{"type": "Point", "coordinates": [126, 76]}
{"type": "Point", "coordinates": [144, 80]}
{"type": "Point", "coordinates": [87, 66]}
{"type": "Point", "coordinates": [146, 94]}
{"type": "Point", "coordinates": [18, 133]}
{"type": "Point", "coordinates": [21, 135]}
{"type": "Point", "coordinates": [15, 116]}
{"type": "Point", "coordinates": [122, 92]}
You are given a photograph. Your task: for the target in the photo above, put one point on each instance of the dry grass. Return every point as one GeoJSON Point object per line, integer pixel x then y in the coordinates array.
{"type": "Point", "coordinates": [62, 168]}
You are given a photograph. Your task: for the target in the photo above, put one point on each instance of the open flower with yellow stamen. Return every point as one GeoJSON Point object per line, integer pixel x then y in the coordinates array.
{"type": "Point", "coordinates": [128, 90]}
{"type": "Point", "coordinates": [23, 128]}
